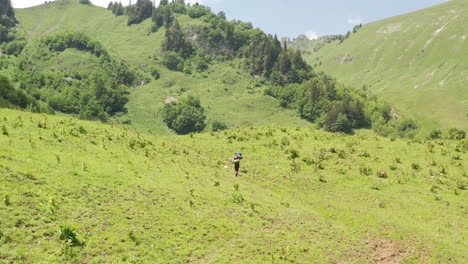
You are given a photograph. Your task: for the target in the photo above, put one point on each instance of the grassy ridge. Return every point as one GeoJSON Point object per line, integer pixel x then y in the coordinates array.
{"type": "Point", "coordinates": [303, 195]}
{"type": "Point", "coordinates": [415, 61]}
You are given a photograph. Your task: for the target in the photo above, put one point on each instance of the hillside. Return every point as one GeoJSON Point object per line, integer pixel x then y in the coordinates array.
{"type": "Point", "coordinates": [303, 196]}
{"type": "Point", "coordinates": [227, 91]}
{"type": "Point", "coordinates": [416, 61]}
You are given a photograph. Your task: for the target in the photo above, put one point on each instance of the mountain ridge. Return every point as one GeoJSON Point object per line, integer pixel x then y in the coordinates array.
{"type": "Point", "coordinates": [415, 61]}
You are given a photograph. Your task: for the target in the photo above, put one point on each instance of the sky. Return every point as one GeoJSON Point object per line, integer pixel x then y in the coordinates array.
{"type": "Point", "coordinates": [291, 18]}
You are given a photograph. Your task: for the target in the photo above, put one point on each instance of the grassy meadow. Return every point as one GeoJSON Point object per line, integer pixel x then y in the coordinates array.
{"type": "Point", "coordinates": [416, 61]}
{"type": "Point", "coordinates": [75, 191]}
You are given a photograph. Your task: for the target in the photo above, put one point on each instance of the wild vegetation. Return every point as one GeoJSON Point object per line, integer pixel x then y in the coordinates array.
{"type": "Point", "coordinates": [95, 88]}
{"type": "Point", "coordinates": [77, 191]}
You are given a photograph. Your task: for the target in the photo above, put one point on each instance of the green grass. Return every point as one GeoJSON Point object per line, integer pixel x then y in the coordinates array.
{"type": "Point", "coordinates": [303, 196]}
{"type": "Point", "coordinates": [415, 61]}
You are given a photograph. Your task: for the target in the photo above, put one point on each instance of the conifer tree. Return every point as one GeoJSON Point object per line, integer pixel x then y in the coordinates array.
{"type": "Point", "coordinates": [284, 61]}
{"type": "Point", "coordinates": [120, 10]}
{"type": "Point", "coordinates": [176, 41]}
{"type": "Point", "coordinates": [167, 18]}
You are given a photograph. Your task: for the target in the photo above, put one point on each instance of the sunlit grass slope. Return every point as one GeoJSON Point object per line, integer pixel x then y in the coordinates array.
{"type": "Point", "coordinates": [303, 196]}
{"type": "Point", "coordinates": [228, 92]}
{"type": "Point", "coordinates": [416, 61]}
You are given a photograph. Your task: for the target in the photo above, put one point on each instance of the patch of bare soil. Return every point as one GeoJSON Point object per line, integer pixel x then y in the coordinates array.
{"type": "Point", "coordinates": [390, 29]}
{"type": "Point", "coordinates": [52, 28]}
{"type": "Point", "coordinates": [390, 251]}
{"type": "Point", "coordinates": [343, 59]}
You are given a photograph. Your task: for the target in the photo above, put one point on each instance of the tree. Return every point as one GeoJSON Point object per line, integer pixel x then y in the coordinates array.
{"type": "Point", "coordinates": [285, 61]}
{"type": "Point", "coordinates": [222, 15]}
{"type": "Point", "coordinates": [178, 6]}
{"type": "Point", "coordinates": [172, 60]}
{"type": "Point", "coordinates": [342, 124]}
{"type": "Point", "coordinates": [167, 17]}
{"type": "Point", "coordinates": [197, 11]}
{"type": "Point", "coordinates": [186, 116]}
{"type": "Point", "coordinates": [176, 41]}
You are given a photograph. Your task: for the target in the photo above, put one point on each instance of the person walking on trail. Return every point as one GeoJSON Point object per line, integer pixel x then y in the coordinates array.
{"type": "Point", "coordinates": [236, 160]}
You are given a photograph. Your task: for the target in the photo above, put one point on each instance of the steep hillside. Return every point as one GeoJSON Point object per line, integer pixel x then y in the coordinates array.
{"type": "Point", "coordinates": [415, 61]}
{"type": "Point", "coordinates": [227, 91]}
{"type": "Point", "coordinates": [83, 192]}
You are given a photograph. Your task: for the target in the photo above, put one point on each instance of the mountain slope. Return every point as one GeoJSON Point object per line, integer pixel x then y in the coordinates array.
{"type": "Point", "coordinates": [233, 96]}
{"type": "Point", "coordinates": [415, 61]}
{"type": "Point", "coordinates": [303, 196]}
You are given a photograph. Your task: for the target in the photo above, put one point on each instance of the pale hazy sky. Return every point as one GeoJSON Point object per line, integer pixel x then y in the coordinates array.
{"type": "Point", "coordinates": [290, 18]}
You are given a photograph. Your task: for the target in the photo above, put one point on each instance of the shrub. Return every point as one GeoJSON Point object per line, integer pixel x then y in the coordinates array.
{"type": "Point", "coordinates": [382, 174]}
{"type": "Point", "coordinates": [435, 134]}
{"type": "Point", "coordinates": [458, 134]}
{"type": "Point", "coordinates": [217, 126]}
{"type": "Point", "coordinates": [15, 47]}
{"type": "Point", "coordinates": [236, 198]}
{"type": "Point", "coordinates": [186, 116]}
{"type": "Point", "coordinates": [365, 171]}
{"type": "Point", "coordinates": [172, 60]}
{"type": "Point", "coordinates": [293, 154]}
{"type": "Point", "coordinates": [295, 166]}
{"type": "Point", "coordinates": [6, 199]}
{"type": "Point", "coordinates": [155, 73]}
{"type": "Point", "coordinates": [364, 154]}
{"type": "Point", "coordinates": [415, 166]}
{"type": "Point", "coordinates": [4, 130]}
{"type": "Point", "coordinates": [68, 234]}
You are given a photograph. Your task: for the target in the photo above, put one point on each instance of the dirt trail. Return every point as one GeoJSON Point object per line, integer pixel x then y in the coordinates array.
{"type": "Point", "coordinates": [34, 30]}
{"type": "Point", "coordinates": [52, 28]}
{"type": "Point", "coordinates": [437, 32]}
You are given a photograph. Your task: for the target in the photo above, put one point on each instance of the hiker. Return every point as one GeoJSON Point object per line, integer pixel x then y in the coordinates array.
{"type": "Point", "coordinates": [236, 160]}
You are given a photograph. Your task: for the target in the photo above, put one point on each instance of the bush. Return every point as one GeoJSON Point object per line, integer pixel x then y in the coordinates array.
{"type": "Point", "coordinates": [407, 128]}
{"type": "Point", "coordinates": [217, 126]}
{"type": "Point", "coordinates": [455, 133]}
{"type": "Point", "coordinates": [68, 233]}
{"type": "Point", "coordinates": [186, 116]}
{"type": "Point", "coordinates": [15, 47]}
{"type": "Point", "coordinates": [155, 73]}
{"type": "Point", "coordinates": [435, 134]}
{"type": "Point", "coordinates": [172, 60]}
